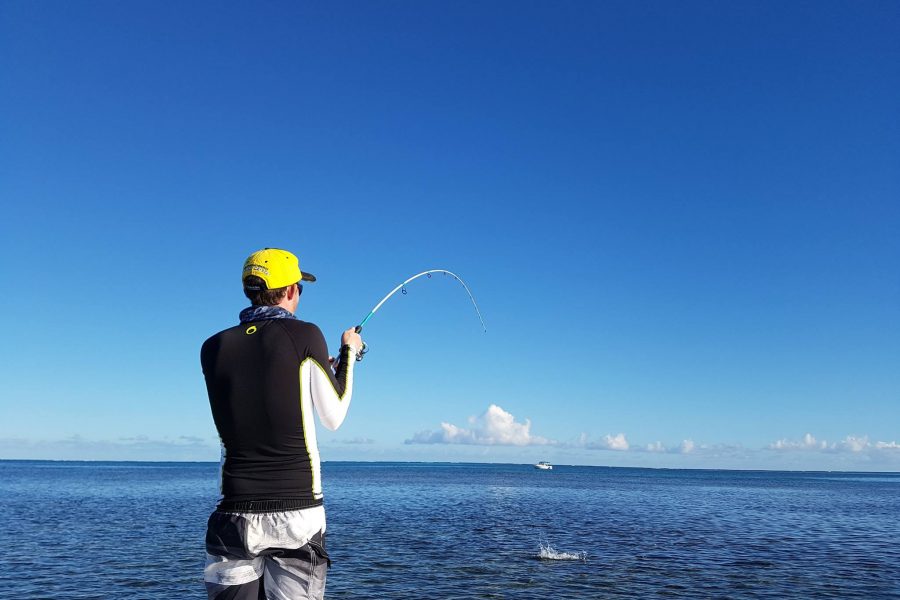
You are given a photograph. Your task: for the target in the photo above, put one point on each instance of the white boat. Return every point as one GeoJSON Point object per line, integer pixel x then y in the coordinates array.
{"type": "Point", "coordinates": [544, 466]}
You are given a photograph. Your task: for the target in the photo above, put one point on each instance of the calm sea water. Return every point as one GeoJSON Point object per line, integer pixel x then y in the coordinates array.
{"type": "Point", "coordinates": [400, 530]}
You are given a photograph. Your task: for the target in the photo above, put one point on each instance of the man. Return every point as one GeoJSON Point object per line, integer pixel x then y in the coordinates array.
{"type": "Point", "coordinates": [265, 376]}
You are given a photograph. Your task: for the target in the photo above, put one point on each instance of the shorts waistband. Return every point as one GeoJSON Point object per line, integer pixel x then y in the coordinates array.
{"type": "Point", "coordinates": [264, 506]}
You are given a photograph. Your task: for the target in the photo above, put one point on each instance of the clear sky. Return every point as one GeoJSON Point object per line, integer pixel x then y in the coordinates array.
{"type": "Point", "coordinates": [681, 221]}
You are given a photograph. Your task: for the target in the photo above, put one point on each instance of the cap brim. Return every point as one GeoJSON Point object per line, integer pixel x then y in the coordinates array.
{"type": "Point", "coordinates": [307, 277]}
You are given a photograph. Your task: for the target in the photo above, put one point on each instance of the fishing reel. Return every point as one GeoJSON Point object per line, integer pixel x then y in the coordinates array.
{"type": "Point", "coordinates": [364, 349]}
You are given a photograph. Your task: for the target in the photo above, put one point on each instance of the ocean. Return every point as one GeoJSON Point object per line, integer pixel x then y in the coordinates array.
{"type": "Point", "coordinates": [434, 530]}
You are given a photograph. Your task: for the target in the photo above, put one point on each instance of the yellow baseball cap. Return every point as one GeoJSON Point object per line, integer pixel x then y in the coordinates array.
{"type": "Point", "coordinates": [277, 268]}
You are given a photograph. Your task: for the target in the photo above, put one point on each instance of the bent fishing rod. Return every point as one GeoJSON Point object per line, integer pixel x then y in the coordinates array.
{"type": "Point", "coordinates": [402, 288]}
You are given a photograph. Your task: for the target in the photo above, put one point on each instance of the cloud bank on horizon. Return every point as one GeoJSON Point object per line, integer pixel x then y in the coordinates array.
{"type": "Point", "coordinates": [498, 427]}
{"type": "Point", "coordinates": [848, 444]}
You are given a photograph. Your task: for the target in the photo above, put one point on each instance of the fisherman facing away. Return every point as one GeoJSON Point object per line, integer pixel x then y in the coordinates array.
{"type": "Point", "coordinates": [265, 377]}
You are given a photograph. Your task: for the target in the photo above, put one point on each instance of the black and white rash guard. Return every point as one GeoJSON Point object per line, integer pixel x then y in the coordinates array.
{"type": "Point", "coordinates": [264, 378]}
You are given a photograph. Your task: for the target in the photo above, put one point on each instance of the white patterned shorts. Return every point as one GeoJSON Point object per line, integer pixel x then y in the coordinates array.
{"type": "Point", "coordinates": [272, 555]}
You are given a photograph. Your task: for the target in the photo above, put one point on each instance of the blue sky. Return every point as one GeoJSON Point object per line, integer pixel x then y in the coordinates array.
{"type": "Point", "coordinates": [679, 220]}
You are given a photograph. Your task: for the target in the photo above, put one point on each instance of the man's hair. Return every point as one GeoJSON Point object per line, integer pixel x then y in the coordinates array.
{"type": "Point", "coordinates": [262, 296]}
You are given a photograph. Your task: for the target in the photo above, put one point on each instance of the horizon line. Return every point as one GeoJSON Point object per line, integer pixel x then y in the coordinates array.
{"type": "Point", "coordinates": [444, 462]}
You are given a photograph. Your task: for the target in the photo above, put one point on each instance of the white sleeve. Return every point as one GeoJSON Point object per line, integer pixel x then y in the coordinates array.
{"type": "Point", "coordinates": [331, 407]}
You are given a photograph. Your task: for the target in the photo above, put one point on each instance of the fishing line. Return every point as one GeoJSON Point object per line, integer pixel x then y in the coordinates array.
{"type": "Point", "coordinates": [402, 288]}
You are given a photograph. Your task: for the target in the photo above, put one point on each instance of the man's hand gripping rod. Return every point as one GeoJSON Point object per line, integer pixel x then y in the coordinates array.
{"type": "Point", "coordinates": [365, 347]}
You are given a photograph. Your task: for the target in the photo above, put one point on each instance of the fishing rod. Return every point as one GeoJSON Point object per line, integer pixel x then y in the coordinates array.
{"type": "Point", "coordinates": [402, 288]}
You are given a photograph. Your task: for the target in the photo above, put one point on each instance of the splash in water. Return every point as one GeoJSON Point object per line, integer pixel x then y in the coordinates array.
{"type": "Point", "coordinates": [549, 553]}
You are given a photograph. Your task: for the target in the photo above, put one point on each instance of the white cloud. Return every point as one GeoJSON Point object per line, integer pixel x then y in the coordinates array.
{"type": "Point", "coordinates": [616, 442]}
{"type": "Point", "coordinates": [495, 427]}
{"type": "Point", "coordinates": [609, 442]}
{"type": "Point", "coordinates": [656, 447]}
{"type": "Point", "coordinates": [689, 446]}
{"type": "Point", "coordinates": [810, 442]}
{"type": "Point", "coordinates": [851, 444]}
{"type": "Point", "coordinates": [807, 443]}
{"type": "Point", "coordinates": [685, 447]}
{"type": "Point", "coordinates": [619, 442]}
